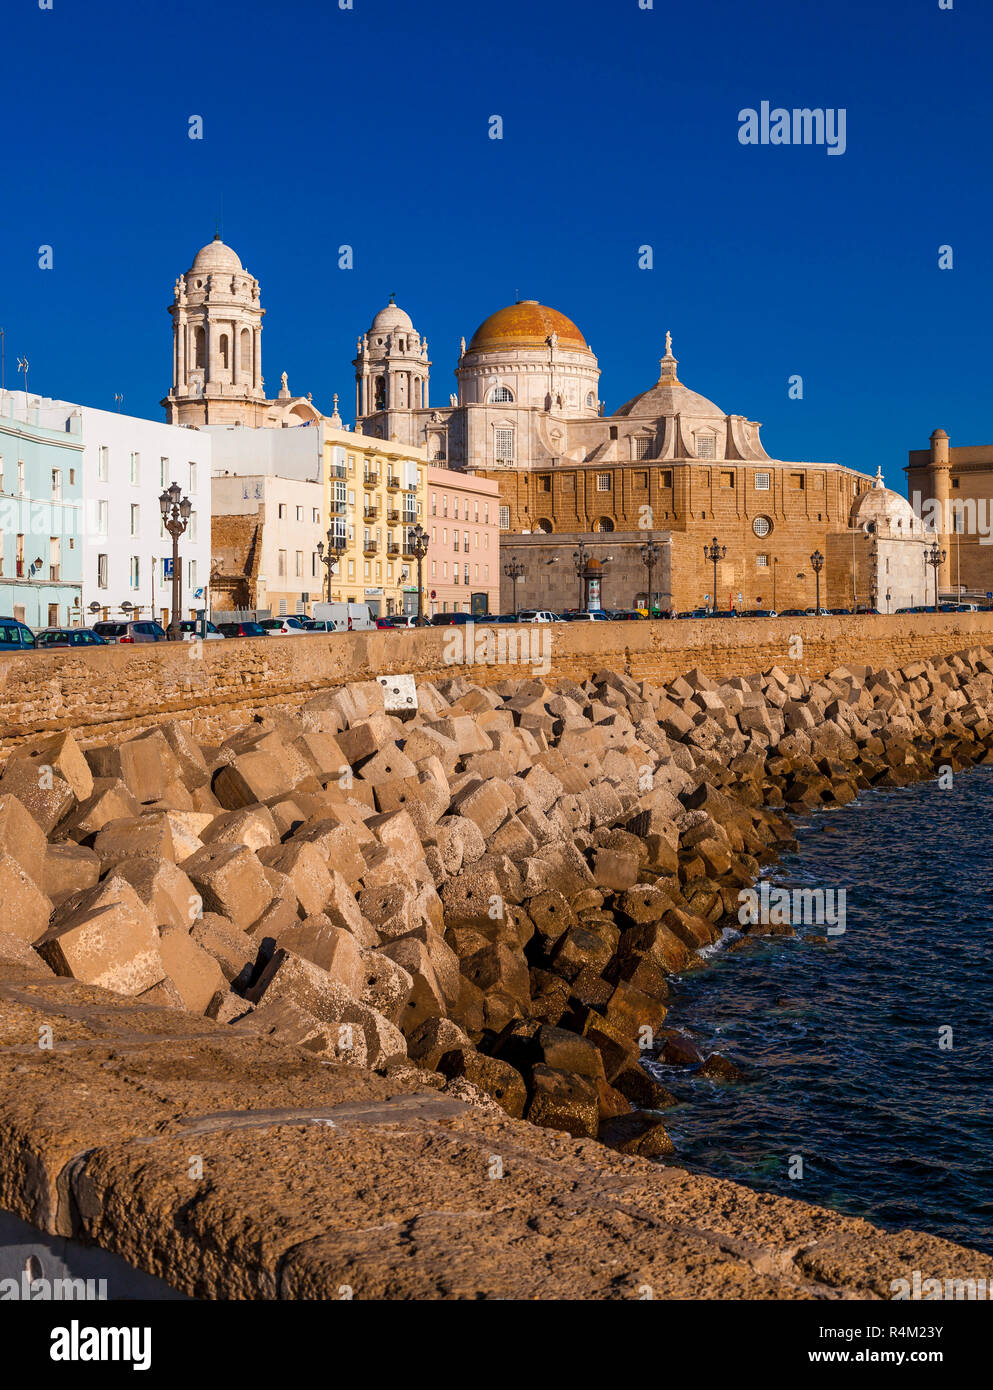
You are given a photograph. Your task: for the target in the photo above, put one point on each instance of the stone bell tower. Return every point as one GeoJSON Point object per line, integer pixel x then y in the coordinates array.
{"type": "Point", "coordinates": [216, 343]}
{"type": "Point", "coordinates": [392, 376]}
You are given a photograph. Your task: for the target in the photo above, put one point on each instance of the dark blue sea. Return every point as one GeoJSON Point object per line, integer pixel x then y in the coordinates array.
{"type": "Point", "coordinates": [840, 1041]}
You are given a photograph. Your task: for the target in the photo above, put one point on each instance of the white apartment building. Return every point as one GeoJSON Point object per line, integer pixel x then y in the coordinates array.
{"type": "Point", "coordinates": [126, 463]}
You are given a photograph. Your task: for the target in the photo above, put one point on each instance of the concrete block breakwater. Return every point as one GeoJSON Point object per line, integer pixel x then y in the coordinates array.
{"type": "Point", "coordinates": [341, 945]}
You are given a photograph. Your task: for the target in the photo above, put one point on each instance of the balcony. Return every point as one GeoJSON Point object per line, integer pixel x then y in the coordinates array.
{"type": "Point", "coordinates": [370, 479]}
{"type": "Point", "coordinates": [370, 547]}
{"type": "Point", "coordinates": [336, 470]}
{"type": "Point", "coordinates": [392, 548]}
{"type": "Point", "coordinates": [392, 515]}
{"type": "Point", "coordinates": [392, 483]}
{"type": "Point", "coordinates": [370, 511]}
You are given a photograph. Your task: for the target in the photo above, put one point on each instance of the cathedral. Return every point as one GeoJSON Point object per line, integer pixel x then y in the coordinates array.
{"type": "Point", "coordinates": [669, 465]}
{"type": "Point", "coordinates": [527, 414]}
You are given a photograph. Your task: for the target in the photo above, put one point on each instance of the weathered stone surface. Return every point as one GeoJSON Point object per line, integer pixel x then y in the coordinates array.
{"type": "Point", "coordinates": [498, 1079]}
{"type": "Point", "coordinates": [563, 1100]}
{"type": "Point", "coordinates": [195, 973]}
{"type": "Point", "coordinates": [105, 936]}
{"type": "Point", "coordinates": [231, 881]}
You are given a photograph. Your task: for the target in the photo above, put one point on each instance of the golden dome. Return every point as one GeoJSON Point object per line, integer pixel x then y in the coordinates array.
{"type": "Point", "coordinates": [526, 324]}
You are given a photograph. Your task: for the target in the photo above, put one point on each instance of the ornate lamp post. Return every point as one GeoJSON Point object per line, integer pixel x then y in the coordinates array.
{"type": "Point", "coordinates": [331, 559]}
{"type": "Point", "coordinates": [514, 570]}
{"type": "Point", "coordinates": [579, 560]}
{"type": "Point", "coordinates": [713, 553]}
{"type": "Point", "coordinates": [935, 557]}
{"type": "Point", "coordinates": [176, 510]}
{"type": "Point", "coordinates": [417, 540]}
{"type": "Point", "coordinates": [650, 555]}
{"type": "Point", "coordinates": [817, 561]}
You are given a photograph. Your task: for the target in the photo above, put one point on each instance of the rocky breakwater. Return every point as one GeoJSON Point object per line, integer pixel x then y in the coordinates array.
{"type": "Point", "coordinates": [487, 894]}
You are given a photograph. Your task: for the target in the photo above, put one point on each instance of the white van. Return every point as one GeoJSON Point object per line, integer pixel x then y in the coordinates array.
{"type": "Point", "coordinates": [346, 617]}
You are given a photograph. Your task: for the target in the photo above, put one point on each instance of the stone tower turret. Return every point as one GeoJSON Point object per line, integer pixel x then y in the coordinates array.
{"type": "Point", "coordinates": [392, 374]}
{"type": "Point", "coordinates": [217, 343]}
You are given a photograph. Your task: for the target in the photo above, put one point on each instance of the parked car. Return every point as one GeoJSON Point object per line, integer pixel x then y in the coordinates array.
{"type": "Point", "coordinates": [759, 613]}
{"type": "Point", "coordinates": [190, 628]}
{"type": "Point", "coordinates": [283, 627]}
{"type": "Point", "coordinates": [628, 615]}
{"type": "Point", "coordinates": [796, 613]}
{"type": "Point", "coordinates": [131, 630]}
{"type": "Point", "coordinates": [15, 636]}
{"type": "Point", "coordinates": [538, 615]}
{"type": "Point", "coordinates": [70, 637]}
{"type": "Point", "coordinates": [596, 616]}
{"type": "Point", "coordinates": [249, 629]}
{"type": "Point", "coordinates": [452, 619]}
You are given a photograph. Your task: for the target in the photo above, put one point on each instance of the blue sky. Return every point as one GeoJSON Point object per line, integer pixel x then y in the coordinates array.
{"type": "Point", "coordinates": [369, 127]}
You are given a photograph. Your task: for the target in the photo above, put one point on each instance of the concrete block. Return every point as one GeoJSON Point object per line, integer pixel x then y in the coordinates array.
{"type": "Point", "coordinates": [69, 868]}
{"type": "Point", "coordinates": [105, 936]}
{"type": "Point", "coordinates": [27, 909]}
{"type": "Point", "coordinates": [231, 881]}
{"type": "Point", "coordinates": [195, 973]}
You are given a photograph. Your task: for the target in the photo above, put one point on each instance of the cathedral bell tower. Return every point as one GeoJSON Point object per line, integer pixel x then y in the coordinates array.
{"type": "Point", "coordinates": [216, 343]}
{"type": "Point", "coordinates": [392, 373]}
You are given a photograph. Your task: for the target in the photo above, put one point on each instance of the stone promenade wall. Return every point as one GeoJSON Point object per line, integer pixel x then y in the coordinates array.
{"type": "Point", "coordinates": [218, 686]}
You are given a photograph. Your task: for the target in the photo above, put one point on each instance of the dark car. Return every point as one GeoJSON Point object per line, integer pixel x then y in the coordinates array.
{"type": "Point", "coordinates": [839, 612]}
{"type": "Point", "coordinates": [15, 636]}
{"type": "Point", "coordinates": [759, 613]}
{"type": "Point", "coordinates": [241, 629]}
{"type": "Point", "coordinates": [131, 630]}
{"type": "Point", "coordinates": [797, 613]}
{"type": "Point", "coordinates": [70, 637]}
{"type": "Point", "coordinates": [626, 615]}
{"type": "Point", "coordinates": [452, 619]}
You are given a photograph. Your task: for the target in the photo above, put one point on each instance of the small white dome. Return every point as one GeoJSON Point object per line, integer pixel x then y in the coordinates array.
{"type": "Point", "coordinates": [886, 510]}
{"type": "Point", "coordinates": [391, 318]}
{"type": "Point", "coordinates": [216, 255]}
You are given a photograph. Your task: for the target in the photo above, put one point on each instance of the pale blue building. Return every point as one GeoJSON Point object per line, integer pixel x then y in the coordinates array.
{"type": "Point", "coordinates": [41, 513]}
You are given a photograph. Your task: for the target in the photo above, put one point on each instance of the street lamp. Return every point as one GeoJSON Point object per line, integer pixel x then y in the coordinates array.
{"type": "Point", "coordinates": [650, 555]}
{"type": "Point", "coordinates": [713, 553]}
{"type": "Point", "coordinates": [935, 557]}
{"type": "Point", "coordinates": [335, 548]}
{"type": "Point", "coordinates": [514, 570]}
{"type": "Point", "coordinates": [817, 560]}
{"type": "Point", "coordinates": [417, 542]}
{"type": "Point", "coordinates": [579, 560]}
{"type": "Point", "coordinates": [176, 510]}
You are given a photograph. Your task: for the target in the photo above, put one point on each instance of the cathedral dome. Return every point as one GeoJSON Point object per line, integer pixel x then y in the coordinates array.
{"type": "Point", "coordinates": [391, 318]}
{"type": "Point", "coordinates": [216, 256]}
{"type": "Point", "coordinates": [526, 324]}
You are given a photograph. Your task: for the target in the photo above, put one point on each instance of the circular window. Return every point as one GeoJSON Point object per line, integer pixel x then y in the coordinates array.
{"type": "Point", "coordinates": [761, 525]}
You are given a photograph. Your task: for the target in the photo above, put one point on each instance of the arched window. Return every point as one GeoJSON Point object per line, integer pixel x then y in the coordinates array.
{"type": "Point", "coordinates": [246, 350]}
{"type": "Point", "coordinates": [544, 526]}
{"type": "Point", "coordinates": [222, 346]}
{"type": "Point", "coordinates": [603, 523]}
{"type": "Point", "coordinates": [199, 347]}
{"type": "Point", "coordinates": [501, 394]}
{"type": "Point", "coordinates": [380, 393]}
{"type": "Point", "coordinates": [591, 400]}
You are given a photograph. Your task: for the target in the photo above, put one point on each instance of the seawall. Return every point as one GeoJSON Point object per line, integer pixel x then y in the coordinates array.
{"type": "Point", "coordinates": [220, 685]}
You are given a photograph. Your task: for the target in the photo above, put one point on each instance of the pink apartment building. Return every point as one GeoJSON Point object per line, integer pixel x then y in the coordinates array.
{"type": "Point", "coordinates": [462, 567]}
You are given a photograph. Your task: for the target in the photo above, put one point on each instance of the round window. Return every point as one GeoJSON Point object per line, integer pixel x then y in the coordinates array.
{"type": "Point", "coordinates": [761, 525]}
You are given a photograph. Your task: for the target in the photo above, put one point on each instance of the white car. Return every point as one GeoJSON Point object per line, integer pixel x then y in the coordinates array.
{"type": "Point", "coordinates": [537, 615]}
{"type": "Point", "coordinates": [190, 629]}
{"type": "Point", "coordinates": [283, 627]}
